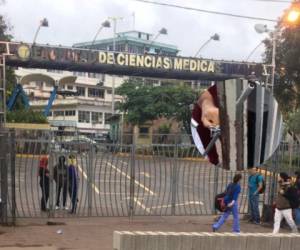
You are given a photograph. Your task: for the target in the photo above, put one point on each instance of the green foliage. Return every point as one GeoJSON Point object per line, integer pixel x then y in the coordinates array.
{"type": "Point", "coordinates": [4, 28]}
{"type": "Point", "coordinates": [287, 78]}
{"type": "Point", "coordinates": [293, 122]}
{"type": "Point", "coordinates": [144, 103]}
{"type": "Point", "coordinates": [25, 116]}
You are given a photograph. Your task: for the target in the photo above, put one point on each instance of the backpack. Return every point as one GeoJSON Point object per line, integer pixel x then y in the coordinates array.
{"type": "Point", "coordinates": [219, 202]}
{"type": "Point", "coordinates": [262, 190]}
{"type": "Point", "coordinates": [292, 196]}
{"type": "Point", "coordinates": [219, 198]}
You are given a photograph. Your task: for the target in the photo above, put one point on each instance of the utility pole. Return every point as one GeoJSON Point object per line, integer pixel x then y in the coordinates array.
{"type": "Point", "coordinates": [273, 62]}
{"type": "Point", "coordinates": [114, 20]}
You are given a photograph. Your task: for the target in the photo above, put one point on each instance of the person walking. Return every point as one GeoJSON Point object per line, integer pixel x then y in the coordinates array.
{"type": "Point", "coordinates": [44, 180]}
{"type": "Point", "coordinates": [231, 202]}
{"type": "Point", "coordinates": [283, 204]}
{"type": "Point", "coordinates": [73, 183]}
{"type": "Point", "coordinates": [255, 185]}
{"type": "Point", "coordinates": [61, 179]}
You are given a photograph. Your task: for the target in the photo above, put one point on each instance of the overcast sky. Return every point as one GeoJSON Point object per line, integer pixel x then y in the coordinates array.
{"type": "Point", "coordinates": [72, 21]}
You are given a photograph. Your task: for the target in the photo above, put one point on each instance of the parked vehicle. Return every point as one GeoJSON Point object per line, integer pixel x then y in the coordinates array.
{"type": "Point", "coordinates": [80, 144]}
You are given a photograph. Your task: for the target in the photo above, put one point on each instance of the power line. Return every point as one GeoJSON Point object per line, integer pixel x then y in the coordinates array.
{"type": "Point", "coordinates": [206, 11]}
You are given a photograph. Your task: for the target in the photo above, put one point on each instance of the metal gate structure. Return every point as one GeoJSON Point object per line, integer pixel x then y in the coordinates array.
{"type": "Point", "coordinates": [123, 180]}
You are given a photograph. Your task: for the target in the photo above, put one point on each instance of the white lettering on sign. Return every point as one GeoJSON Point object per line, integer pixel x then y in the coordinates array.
{"type": "Point", "coordinates": [157, 62]}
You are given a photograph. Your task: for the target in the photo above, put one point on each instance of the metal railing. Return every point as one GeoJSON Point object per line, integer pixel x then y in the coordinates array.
{"type": "Point", "coordinates": [125, 180]}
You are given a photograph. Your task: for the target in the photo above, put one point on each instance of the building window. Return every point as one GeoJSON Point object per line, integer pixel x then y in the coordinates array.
{"type": "Point", "coordinates": [69, 87]}
{"type": "Point", "coordinates": [107, 116]}
{"type": "Point", "coordinates": [81, 91]}
{"type": "Point", "coordinates": [48, 85]}
{"type": "Point", "coordinates": [50, 113]}
{"type": "Point", "coordinates": [96, 93]}
{"type": "Point", "coordinates": [96, 75]}
{"type": "Point", "coordinates": [97, 117]}
{"type": "Point", "coordinates": [84, 116]}
{"type": "Point", "coordinates": [151, 82]}
{"type": "Point", "coordinates": [70, 112]}
{"type": "Point", "coordinates": [58, 113]}
{"type": "Point", "coordinates": [55, 71]}
{"type": "Point", "coordinates": [75, 73]}
{"type": "Point", "coordinates": [144, 132]}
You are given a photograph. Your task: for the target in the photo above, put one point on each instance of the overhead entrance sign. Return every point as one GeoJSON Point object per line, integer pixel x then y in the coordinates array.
{"type": "Point", "coordinates": [122, 63]}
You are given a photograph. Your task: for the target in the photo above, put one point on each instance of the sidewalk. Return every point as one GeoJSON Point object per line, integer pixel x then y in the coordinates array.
{"type": "Point", "coordinates": [96, 233]}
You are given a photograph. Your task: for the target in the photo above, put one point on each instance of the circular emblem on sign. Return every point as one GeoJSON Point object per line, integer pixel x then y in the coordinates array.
{"type": "Point", "coordinates": [24, 52]}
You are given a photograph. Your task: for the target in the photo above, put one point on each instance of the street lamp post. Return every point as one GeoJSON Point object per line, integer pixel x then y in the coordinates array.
{"type": "Point", "coordinates": [105, 24]}
{"type": "Point", "coordinates": [43, 23]}
{"type": "Point", "coordinates": [114, 20]}
{"type": "Point", "coordinates": [252, 52]}
{"type": "Point", "coordinates": [162, 31]}
{"type": "Point", "coordinates": [215, 37]}
{"type": "Point", "coordinates": [262, 28]}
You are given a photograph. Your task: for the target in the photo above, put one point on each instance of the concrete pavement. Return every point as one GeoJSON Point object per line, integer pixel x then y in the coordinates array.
{"type": "Point", "coordinates": [97, 233]}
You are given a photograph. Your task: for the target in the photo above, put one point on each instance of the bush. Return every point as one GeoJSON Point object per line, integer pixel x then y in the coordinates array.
{"type": "Point", "coordinates": [25, 116]}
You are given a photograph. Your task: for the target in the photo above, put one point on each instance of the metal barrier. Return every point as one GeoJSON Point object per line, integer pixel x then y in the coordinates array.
{"type": "Point", "coordinates": [124, 180]}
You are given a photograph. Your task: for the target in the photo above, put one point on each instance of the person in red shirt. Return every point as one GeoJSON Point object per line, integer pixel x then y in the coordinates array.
{"type": "Point", "coordinates": [44, 179]}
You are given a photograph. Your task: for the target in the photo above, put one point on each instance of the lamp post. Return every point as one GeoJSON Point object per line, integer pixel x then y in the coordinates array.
{"type": "Point", "coordinates": [105, 24]}
{"type": "Point", "coordinates": [263, 28]}
{"type": "Point", "coordinates": [215, 37]}
{"type": "Point", "coordinates": [114, 20]}
{"type": "Point", "coordinates": [43, 23]}
{"type": "Point", "coordinates": [162, 31]}
{"type": "Point", "coordinates": [252, 52]}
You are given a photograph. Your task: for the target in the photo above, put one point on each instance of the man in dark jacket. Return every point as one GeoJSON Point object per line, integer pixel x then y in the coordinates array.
{"type": "Point", "coordinates": [61, 177]}
{"type": "Point", "coordinates": [283, 204]}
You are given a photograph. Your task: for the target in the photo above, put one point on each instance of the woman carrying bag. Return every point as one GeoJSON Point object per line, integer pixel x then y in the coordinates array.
{"type": "Point", "coordinates": [231, 202]}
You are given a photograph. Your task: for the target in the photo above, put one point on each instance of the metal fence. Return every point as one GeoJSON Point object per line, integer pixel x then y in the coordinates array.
{"type": "Point", "coordinates": [123, 180]}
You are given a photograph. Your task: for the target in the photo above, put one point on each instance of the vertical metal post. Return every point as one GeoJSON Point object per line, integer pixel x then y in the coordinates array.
{"type": "Point", "coordinates": [4, 177]}
{"type": "Point", "coordinates": [275, 34]}
{"type": "Point", "coordinates": [260, 97]}
{"type": "Point", "coordinates": [216, 186]}
{"type": "Point", "coordinates": [114, 19]}
{"type": "Point", "coordinates": [13, 174]}
{"type": "Point", "coordinates": [90, 179]}
{"type": "Point", "coordinates": [275, 159]}
{"type": "Point", "coordinates": [132, 180]}
{"type": "Point", "coordinates": [113, 77]}
{"type": "Point", "coordinates": [2, 91]}
{"type": "Point", "coordinates": [174, 181]}
{"type": "Point", "coordinates": [51, 179]}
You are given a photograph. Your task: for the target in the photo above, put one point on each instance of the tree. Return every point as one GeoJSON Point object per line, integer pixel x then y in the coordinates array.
{"type": "Point", "coordinates": [144, 103]}
{"type": "Point", "coordinates": [287, 75]}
